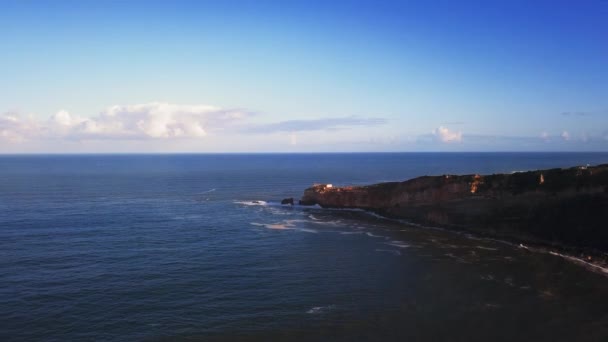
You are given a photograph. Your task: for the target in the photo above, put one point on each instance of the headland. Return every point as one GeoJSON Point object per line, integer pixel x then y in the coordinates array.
{"type": "Point", "coordinates": [563, 208]}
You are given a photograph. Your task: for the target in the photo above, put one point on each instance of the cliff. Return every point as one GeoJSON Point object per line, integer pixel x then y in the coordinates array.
{"type": "Point", "coordinates": [559, 207]}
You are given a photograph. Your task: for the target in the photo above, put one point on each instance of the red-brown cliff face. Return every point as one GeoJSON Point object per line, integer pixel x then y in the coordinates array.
{"type": "Point", "coordinates": [556, 206]}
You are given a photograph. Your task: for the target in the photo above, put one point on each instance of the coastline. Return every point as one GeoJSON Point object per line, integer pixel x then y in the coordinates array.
{"type": "Point", "coordinates": [599, 264]}
{"type": "Point", "coordinates": [558, 211]}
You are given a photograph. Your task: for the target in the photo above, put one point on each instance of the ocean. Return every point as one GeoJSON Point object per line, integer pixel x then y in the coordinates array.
{"type": "Point", "coordinates": [198, 247]}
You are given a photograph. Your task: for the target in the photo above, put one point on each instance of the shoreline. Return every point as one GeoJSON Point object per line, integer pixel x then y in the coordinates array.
{"type": "Point", "coordinates": [557, 211]}
{"type": "Point", "coordinates": [599, 265]}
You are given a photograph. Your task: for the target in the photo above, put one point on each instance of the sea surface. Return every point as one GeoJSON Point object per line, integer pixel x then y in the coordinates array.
{"type": "Point", "coordinates": [197, 247]}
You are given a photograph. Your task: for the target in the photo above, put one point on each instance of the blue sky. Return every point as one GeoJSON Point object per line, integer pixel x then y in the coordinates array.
{"type": "Point", "coordinates": [262, 76]}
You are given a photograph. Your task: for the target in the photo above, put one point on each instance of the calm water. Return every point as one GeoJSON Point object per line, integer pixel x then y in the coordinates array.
{"type": "Point", "coordinates": [149, 247]}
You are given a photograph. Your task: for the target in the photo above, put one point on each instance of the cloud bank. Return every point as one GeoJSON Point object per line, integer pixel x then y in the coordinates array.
{"type": "Point", "coordinates": [166, 127]}
{"type": "Point", "coordinates": [155, 120]}
{"type": "Point", "coordinates": [14, 128]}
{"type": "Point", "coordinates": [158, 120]}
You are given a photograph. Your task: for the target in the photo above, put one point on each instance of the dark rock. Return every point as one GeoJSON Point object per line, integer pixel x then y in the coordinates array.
{"type": "Point", "coordinates": [305, 202]}
{"type": "Point", "coordinates": [287, 201]}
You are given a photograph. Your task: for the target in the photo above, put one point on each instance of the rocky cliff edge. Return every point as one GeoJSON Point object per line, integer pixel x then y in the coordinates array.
{"type": "Point", "coordinates": [559, 207]}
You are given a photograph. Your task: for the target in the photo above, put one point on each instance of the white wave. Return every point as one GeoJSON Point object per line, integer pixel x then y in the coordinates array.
{"type": "Point", "coordinates": [329, 223]}
{"type": "Point", "coordinates": [251, 202]}
{"type": "Point", "coordinates": [315, 206]}
{"type": "Point", "coordinates": [582, 262]}
{"type": "Point", "coordinates": [206, 192]}
{"type": "Point", "coordinates": [320, 309]}
{"type": "Point", "coordinates": [372, 235]}
{"type": "Point", "coordinates": [378, 216]}
{"type": "Point", "coordinates": [399, 244]}
{"type": "Point", "coordinates": [277, 205]}
{"type": "Point", "coordinates": [308, 230]}
{"type": "Point", "coordinates": [319, 222]}
{"type": "Point", "coordinates": [286, 224]}
{"type": "Point", "coordinates": [486, 248]}
{"type": "Point", "coordinates": [279, 225]}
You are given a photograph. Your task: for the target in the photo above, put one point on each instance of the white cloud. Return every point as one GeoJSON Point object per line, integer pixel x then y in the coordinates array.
{"type": "Point", "coordinates": [16, 128]}
{"type": "Point", "coordinates": [62, 118]}
{"type": "Point", "coordinates": [447, 136]}
{"type": "Point", "coordinates": [154, 120]}
{"type": "Point", "coordinates": [565, 135]}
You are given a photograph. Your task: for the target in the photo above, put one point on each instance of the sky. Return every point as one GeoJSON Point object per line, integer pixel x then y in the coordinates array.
{"type": "Point", "coordinates": [309, 76]}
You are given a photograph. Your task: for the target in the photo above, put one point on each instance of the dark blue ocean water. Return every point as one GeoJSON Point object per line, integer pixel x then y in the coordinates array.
{"type": "Point", "coordinates": [195, 247]}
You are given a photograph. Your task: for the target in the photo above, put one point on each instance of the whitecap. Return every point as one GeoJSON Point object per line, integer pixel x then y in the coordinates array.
{"type": "Point", "coordinates": [251, 202]}
{"type": "Point", "coordinates": [328, 223]}
{"type": "Point", "coordinates": [486, 248]}
{"type": "Point", "coordinates": [206, 192]}
{"type": "Point", "coordinates": [273, 225]}
{"type": "Point", "coordinates": [308, 230]}
{"type": "Point", "coordinates": [320, 309]}
{"type": "Point", "coordinates": [372, 235]}
{"type": "Point", "coordinates": [399, 244]}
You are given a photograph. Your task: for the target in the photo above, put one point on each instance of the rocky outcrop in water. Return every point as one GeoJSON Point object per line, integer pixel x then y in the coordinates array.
{"type": "Point", "coordinates": [287, 201]}
{"type": "Point", "coordinates": [559, 207]}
